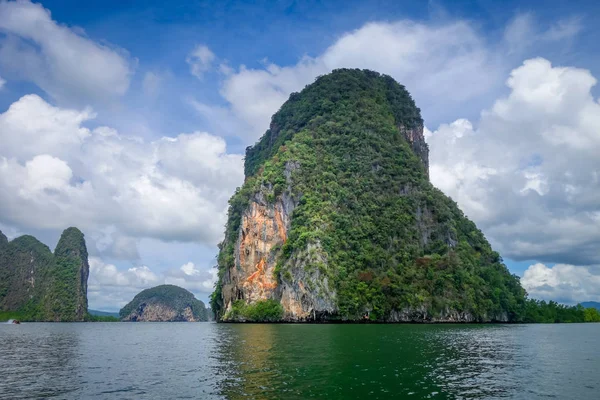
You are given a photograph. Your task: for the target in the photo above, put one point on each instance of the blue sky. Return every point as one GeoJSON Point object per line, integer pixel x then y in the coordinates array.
{"type": "Point", "coordinates": [145, 109]}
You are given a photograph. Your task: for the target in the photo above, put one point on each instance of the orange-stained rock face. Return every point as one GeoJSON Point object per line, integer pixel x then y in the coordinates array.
{"type": "Point", "coordinates": [260, 232]}
{"type": "Point", "coordinates": [263, 231]}
{"type": "Point", "coordinates": [264, 228]}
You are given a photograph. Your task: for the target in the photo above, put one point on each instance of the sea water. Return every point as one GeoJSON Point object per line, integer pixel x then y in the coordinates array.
{"type": "Point", "coordinates": [241, 361]}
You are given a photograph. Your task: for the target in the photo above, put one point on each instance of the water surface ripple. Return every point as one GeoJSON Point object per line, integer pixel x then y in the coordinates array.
{"type": "Point", "coordinates": [226, 361]}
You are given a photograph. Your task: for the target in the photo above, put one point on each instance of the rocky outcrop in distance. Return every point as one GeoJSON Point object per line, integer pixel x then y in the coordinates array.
{"type": "Point", "coordinates": [164, 303]}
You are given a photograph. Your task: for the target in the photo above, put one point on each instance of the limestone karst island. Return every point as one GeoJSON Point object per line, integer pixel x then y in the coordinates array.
{"type": "Point", "coordinates": [337, 219]}
{"type": "Point", "coordinates": [38, 285]}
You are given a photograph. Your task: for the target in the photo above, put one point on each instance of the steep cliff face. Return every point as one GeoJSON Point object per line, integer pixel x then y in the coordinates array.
{"type": "Point", "coordinates": [263, 230]}
{"type": "Point", "coordinates": [25, 266]}
{"type": "Point", "coordinates": [337, 219]}
{"type": "Point", "coordinates": [43, 286]}
{"type": "Point", "coordinates": [164, 303]}
{"type": "Point", "coordinates": [72, 272]}
{"type": "Point", "coordinates": [414, 136]}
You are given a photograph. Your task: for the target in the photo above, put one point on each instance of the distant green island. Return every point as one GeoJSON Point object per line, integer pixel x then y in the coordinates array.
{"type": "Point", "coordinates": [98, 313]}
{"type": "Point", "coordinates": [102, 316]}
{"type": "Point", "coordinates": [39, 285]}
{"type": "Point", "coordinates": [164, 303]}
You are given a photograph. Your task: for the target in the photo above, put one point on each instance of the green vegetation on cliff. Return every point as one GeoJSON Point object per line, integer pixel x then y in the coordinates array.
{"type": "Point", "coordinates": [391, 240]}
{"type": "Point", "coordinates": [261, 311]}
{"type": "Point", "coordinates": [164, 303]}
{"type": "Point", "coordinates": [37, 285]}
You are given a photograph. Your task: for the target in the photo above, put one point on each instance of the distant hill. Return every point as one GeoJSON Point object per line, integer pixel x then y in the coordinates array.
{"type": "Point", "coordinates": [164, 303]}
{"type": "Point", "coordinates": [103, 313]}
{"type": "Point", "coordinates": [38, 285]}
{"type": "Point", "coordinates": [591, 304]}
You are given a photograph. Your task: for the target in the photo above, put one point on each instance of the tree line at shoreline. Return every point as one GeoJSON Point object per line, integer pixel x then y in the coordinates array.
{"type": "Point", "coordinates": [536, 311]}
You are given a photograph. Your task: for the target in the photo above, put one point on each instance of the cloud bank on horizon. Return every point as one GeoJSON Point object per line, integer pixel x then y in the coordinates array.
{"type": "Point", "coordinates": [522, 166]}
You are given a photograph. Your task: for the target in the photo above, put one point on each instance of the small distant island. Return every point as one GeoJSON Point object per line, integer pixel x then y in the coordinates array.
{"type": "Point", "coordinates": [37, 284]}
{"type": "Point", "coordinates": [98, 313]}
{"type": "Point", "coordinates": [164, 303]}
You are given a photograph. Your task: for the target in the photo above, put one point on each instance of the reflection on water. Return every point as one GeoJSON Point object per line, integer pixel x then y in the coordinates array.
{"type": "Point", "coordinates": [410, 361]}
{"type": "Point", "coordinates": [248, 353]}
{"type": "Point", "coordinates": [214, 361]}
{"type": "Point", "coordinates": [357, 361]}
{"type": "Point", "coordinates": [339, 361]}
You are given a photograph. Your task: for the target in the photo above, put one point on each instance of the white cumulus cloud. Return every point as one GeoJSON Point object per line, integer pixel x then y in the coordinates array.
{"type": "Point", "coordinates": [109, 287]}
{"type": "Point", "coordinates": [193, 278]}
{"type": "Point", "coordinates": [31, 126]}
{"type": "Point", "coordinates": [60, 60]}
{"type": "Point", "coordinates": [54, 172]}
{"type": "Point", "coordinates": [528, 172]}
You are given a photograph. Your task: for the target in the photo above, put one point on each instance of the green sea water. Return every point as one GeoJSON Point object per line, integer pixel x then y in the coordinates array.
{"type": "Point", "coordinates": [260, 361]}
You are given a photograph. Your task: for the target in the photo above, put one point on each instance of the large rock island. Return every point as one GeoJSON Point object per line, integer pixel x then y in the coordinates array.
{"type": "Point", "coordinates": [337, 219]}
{"type": "Point", "coordinates": [38, 285]}
{"type": "Point", "coordinates": [164, 303]}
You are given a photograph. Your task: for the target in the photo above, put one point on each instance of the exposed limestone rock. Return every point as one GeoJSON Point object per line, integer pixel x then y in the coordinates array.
{"type": "Point", "coordinates": [416, 139]}
{"type": "Point", "coordinates": [263, 229]}
{"type": "Point", "coordinates": [306, 293]}
{"type": "Point", "coordinates": [160, 313]}
{"type": "Point", "coordinates": [422, 314]}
